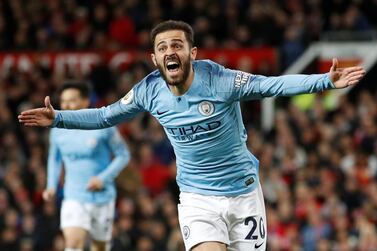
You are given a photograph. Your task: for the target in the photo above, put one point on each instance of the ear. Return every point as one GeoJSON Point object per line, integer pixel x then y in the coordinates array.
{"type": "Point", "coordinates": [153, 57]}
{"type": "Point", "coordinates": [194, 51]}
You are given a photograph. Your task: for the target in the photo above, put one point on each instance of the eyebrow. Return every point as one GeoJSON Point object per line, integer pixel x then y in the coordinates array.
{"type": "Point", "coordinates": [173, 40]}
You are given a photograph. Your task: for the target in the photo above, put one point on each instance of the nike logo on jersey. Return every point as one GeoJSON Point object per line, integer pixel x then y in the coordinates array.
{"type": "Point", "coordinates": [258, 246]}
{"type": "Point", "coordinates": [160, 113]}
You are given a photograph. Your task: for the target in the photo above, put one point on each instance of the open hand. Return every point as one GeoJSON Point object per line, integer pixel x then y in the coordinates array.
{"type": "Point", "coordinates": [343, 77]}
{"type": "Point", "coordinates": [38, 117]}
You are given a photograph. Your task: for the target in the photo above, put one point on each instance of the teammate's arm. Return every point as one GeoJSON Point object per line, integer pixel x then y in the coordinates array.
{"type": "Point", "coordinates": [120, 160]}
{"type": "Point", "coordinates": [54, 167]}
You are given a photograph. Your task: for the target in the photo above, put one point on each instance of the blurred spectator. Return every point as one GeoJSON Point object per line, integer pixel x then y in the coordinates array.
{"type": "Point", "coordinates": [122, 29]}
{"type": "Point", "coordinates": [121, 24]}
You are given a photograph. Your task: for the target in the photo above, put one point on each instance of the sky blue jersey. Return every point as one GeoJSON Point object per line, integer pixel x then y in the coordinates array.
{"type": "Point", "coordinates": [86, 153]}
{"type": "Point", "coordinates": [204, 125]}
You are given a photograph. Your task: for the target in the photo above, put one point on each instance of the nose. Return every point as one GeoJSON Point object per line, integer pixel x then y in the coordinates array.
{"type": "Point", "coordinates": [170, 51]}
{"type": "Point", "coordinates": [170, 55]}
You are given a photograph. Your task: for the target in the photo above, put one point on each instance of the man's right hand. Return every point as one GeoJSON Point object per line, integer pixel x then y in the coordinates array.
{"type": "Point", "coordinates": [48, 194]}
{"type": "Point", "coordinates": [40, 116]}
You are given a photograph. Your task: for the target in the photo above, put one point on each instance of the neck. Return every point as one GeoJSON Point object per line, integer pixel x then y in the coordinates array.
{"type": "Point", "coordinates": [181, 89]}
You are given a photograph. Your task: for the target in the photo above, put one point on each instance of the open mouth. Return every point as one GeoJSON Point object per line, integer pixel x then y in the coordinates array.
{"type": "Point", "coordinates": [172, 66]}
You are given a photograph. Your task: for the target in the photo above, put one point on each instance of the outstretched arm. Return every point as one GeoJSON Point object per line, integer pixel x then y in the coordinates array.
{"type": "Point", "coordinates": [236, 85]}
{"type": "Point", "coordinates": [289, 85]}
{"type": "Point", "coordinates": [72, 119]}
{"type": "Point", "coordinates": [81, 119]}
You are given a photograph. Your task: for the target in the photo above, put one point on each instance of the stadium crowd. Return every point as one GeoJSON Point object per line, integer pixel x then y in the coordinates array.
{"type": "Point", "coordinates": [318, 167]}
{"type": "Point", "coordinates": [114, 24]}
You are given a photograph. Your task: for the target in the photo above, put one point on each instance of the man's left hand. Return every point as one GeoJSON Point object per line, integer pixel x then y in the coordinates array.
{"type": "Point", "coordinates": [343, 77]}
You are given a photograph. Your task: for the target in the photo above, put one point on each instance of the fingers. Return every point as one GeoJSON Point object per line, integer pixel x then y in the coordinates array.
{"type": "Point", "coordinates": [94, 185]}
{"type": "Point", "coordinates": [90, 185]}
{"type": "Point", "coordinates": [48, 102]}
{"type": "Point", "coordinates": [354, 77]}
{"type": "Point", "coordinates": [31, 124]}
{"type": "Point", "coordinates": [334, 64]}
{"type": "Point", "coordinates": [356, 73]}
{"type": "Point", "coordinates": [27, 119]}
{"type": "Point", "coordinates": [26, 116]}
{"type": "Point", "coordinates": [48, 196]}
{"type": "Point", "coordinates": [354, 80]}
{"type": "Point", "coordinates": [30, 112]}
{"type": "Point", "coordinates": [353, 69]}
{"type": "Point", "coordinates": [39, 116]}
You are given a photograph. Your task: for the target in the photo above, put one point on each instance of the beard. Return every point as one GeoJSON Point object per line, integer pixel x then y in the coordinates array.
{"type": "Point", "coordinates": [181, 79]}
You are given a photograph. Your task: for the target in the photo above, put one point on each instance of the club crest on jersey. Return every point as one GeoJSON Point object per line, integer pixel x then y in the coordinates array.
{"type": "Point", "coordinates": [186, 232]}
{"type": "Point", "coordinates": [206, 108]}
{"type": "Point", "coordinates": [127, 99]}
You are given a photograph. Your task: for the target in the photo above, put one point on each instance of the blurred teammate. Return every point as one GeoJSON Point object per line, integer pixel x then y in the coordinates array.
{"type": "Point", "coordinates": [198, 104]}
{"type": "Point", "coordinates": [92, 159]}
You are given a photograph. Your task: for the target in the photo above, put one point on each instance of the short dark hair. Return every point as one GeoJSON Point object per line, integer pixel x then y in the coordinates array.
{"type": "Point", "coordinates": [173, 25]}
{"type": "Point", "coordinates": [82, 87]}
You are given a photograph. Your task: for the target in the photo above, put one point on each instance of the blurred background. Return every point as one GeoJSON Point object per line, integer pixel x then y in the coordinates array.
{"type": "Point", "coordinates": [318, 153]}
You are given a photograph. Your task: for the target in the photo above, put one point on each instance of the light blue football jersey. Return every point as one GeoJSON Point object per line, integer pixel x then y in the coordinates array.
{"type": "Point", "coordinates": [86, 153]}
{"type": "Point", "coordinates": [204, 125]}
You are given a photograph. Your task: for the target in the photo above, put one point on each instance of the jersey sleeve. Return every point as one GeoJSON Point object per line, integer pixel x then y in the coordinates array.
{"type": "Point", "coordinates": [121, 156]}
{"type": "Point", "coordinates": [122, 110]}
{"type": "Point", "coordinates": [232, 85]}
{"type": "Point", "coordinates": [54, 163]}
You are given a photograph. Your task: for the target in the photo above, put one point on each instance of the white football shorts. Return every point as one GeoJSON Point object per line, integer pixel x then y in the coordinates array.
{"type": "Point", "coordinates": [97, 219]}
{"type": "Point", "coordinates": [239, 221]}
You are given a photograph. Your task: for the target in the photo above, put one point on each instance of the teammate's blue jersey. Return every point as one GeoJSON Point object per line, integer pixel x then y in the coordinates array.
{"type": "Point", "coordinates": [204, 125]}
{"type": "Point", "coordinates": [86, 153]}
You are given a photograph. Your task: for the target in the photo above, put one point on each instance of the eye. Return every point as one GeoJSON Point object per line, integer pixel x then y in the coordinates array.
{"type": "Point", "coordinates": [161, 49]}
